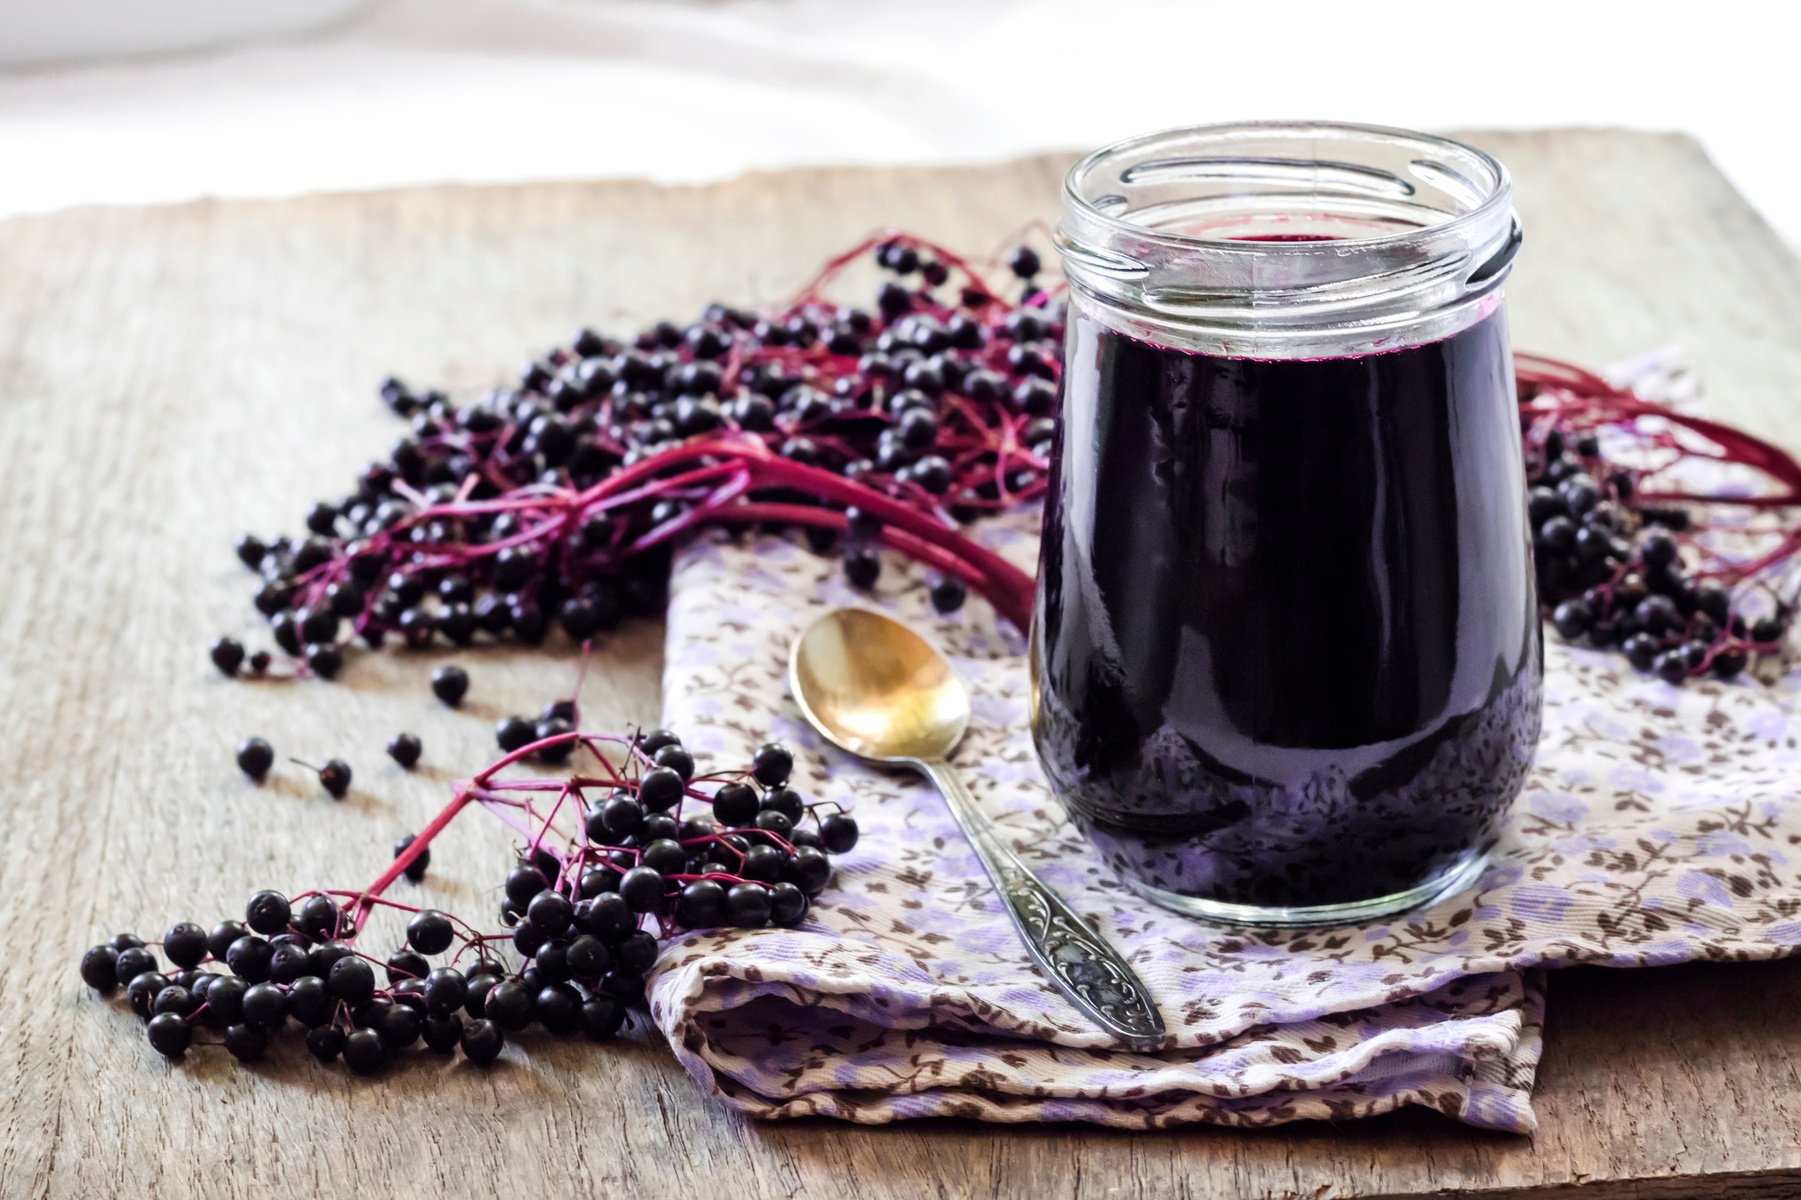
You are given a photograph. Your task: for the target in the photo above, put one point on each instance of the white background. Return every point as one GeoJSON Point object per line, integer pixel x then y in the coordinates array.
{"type": "Point", "coordinates": [409, 91]}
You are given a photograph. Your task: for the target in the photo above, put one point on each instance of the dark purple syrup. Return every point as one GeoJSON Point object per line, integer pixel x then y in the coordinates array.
{"type": "Point", "coordinates": [1287, 647]}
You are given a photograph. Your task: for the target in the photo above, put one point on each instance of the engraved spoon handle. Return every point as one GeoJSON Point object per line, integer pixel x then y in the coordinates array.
{"type": "Point", "coordinates": [1083, 965]}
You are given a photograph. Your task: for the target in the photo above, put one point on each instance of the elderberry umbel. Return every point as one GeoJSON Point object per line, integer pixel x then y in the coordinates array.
{"type": "Point", "coordinates": [553, 502]}
{"type": "Point", "coordinates": [1626, 558]}
{"type": "Point", "coordinates": [632, 847]}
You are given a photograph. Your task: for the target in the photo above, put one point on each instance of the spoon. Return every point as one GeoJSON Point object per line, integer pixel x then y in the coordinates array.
{"type": "Point", "coordinates": [882, 693]}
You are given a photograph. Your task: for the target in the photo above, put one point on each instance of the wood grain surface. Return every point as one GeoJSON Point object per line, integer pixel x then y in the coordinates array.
{"type": "Point", "coordinates": [169, 377]}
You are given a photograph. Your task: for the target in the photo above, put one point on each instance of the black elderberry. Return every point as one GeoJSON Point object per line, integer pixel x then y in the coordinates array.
{"type": "Point", "coordinates": [601, 1017]}
{"type": "Point", "coordinates": [747, 905]}
{"type": "Point", "coordinates": [325, 956]}
{"type": "Point", "coordinates": [267, 912]}
{"type": "Point", "coordinates": [509, 1005]}
{"type": "Point", "coordinates": [317, 918]}
{"type": "Point", "coordinates": [643, 889]}
{"type": "Point", "coordinates": [627, 987]}
{"type": "Point", "coordinates": [558, 1007]}
{"type": "Point", "coordinates": [364, 1051]}
{"type": "Point", "coordinates": [450, 683]}
{"type": "Point", "coordinates": [527, 937]}
{"type": "Point", "coordinates": [1557, 536]}
{"type": "Point", "coordinates": [862, 567]}
{"type": "Point", "coordinates": [664, 856]}
{"type": "Point", "coordinates": [309, 1001]}
{"type": "Point", "coordinates": [1573, 618]}
{"type": "Point", "coordinates": [784, 800]}
{"type": "Point", "coordinates": [351, 980]}
{"type": "Point", "coordinates": [415, 870]}
{"type": "Point", "coordinates": [225, 999]}
{"type": "Point", "coordinates": [334, 777]}
{"type": "Point", "coordinates": [185, 944]}
{"type": "Point", "coordinates": [325, 1042]}
{"type": "Point", "coordinates": [1657, 613]}
{"type": "Point", "coordinates": [608, 917]}
{"type": "Point", "coordinates": [560, 751]}
{"type": "Point", "coordinates": [430, 931]}
{"type": "Point", "coordinates": [228, 655]}
{"type": "Point", "coordinates": [399, 1027]}
{"type": "Point", "coordinates": [587, 957]}
{"type": "Point", "coordinates": [1023, 262]}
{"type": "Point", "coordinates": [523, 882]}
{"type": "Point", "coordinates": [551, 912]}
{"type": "Point", "coordinates": [410, 992]}
{"type": "Point", "coordinates": [99, 968]}
{"type": "Point", "coordinates": [482, 1041]}
{"type": "Point", "coordinates": [174, 999]}
{"type": "Point", "coordinates": [838, 833]}
{"type": "Point", "coordinates": [771, 821]}
{"type": "Point", "coordinates": [771, 764]}
{"type": "Point", "coordinates": [255, 757]}
{"type": "Point", "coordinates": [1657, 548]}
{"type": "Point", "coordinates": [250, 958]}
{"type": "Point", "coordinates": [142, 990]}
{"type": "Point", "coordinates": [1672, 666]}
{"type": "Point", "coordinates": [442, 1031]}
{"type": "Point", "coordinates": [809, 869]}
{"type": "Point", "coordinates": [621, 816]}
{"type": "Point", "coordinates": [677, 759]}
{"type": "Point", "coordinates": [787, 905]}
{"type": "Point", "coordinates": [661, 788]}
{"type": "Point", "coordinates": [636, 952]}
{"type": "Point", "coordinates": [658, 826]}
{"type": "Point", "coordinates": [1766, 631]}
{"type": "Point", "coordinates": [475, 1002]}
{"type": "Point", "coordinates": [701, 904]}
{"type": "Point", "coordinates": [948, 594]}
{"type": "Point", "coordinates": [289, 962]}
{"type": "Point", "coordinates": [735, 804]}
{"type": "Point", "coordinates": [125, 941]}
{"type": "Point", "coordinates": [324, 659]}
{"type": "Point", "coordinates": [170, 1034]}
{"type": "Point", "coordinates": [245, 1042]}
{"type": "Point", "coordinates": [266, 1004]}
{"type": "Point", "coordinates": [513, 733]}
{"type": "Point", "coordinates": [406, 964]}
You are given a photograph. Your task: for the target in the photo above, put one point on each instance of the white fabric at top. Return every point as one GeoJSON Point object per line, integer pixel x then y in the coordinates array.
{"type": "Point", "coordinates": [408, 91]}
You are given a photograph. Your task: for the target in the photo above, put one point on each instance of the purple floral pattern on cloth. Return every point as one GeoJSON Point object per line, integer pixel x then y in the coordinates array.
{"type": "Point", "coordinates": [1660, 825]}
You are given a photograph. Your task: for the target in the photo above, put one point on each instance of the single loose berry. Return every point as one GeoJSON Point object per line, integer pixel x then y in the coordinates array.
{"type": "Point", "coordinates": [255, 757]}
{"type": "Point", "coordinates": [450, 683]}
{"type": "Point", "coordinates": [228, 655]}
{"type": "Point", "coordinates": [334, 777]}
{"type": "Point", "coordinates": [415, 870]}
{"type": "Point", "coordinates": [405, 748]}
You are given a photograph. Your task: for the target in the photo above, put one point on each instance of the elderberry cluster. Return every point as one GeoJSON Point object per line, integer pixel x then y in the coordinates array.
{"type": "Point", "coordinates": [486, 519]}
{"type": "Point", "coordinates": [1610, 571]}
{"type": "Point", "coordinates": [580, 907]}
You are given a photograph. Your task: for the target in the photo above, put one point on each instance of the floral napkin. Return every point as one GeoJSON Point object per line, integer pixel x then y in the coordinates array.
{"type": "Point", "coordinates": [1660, 825]}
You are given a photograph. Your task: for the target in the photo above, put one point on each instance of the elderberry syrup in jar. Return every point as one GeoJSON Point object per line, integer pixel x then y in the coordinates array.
{"type": "Point", "coordinates": [1286, 657]}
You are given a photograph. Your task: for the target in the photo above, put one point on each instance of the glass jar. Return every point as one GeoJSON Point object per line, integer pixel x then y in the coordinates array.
{"type": "Point", "coordinates": [1286, 656]}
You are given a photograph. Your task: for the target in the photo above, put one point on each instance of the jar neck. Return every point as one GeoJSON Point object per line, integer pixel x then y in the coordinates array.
{"type": "Point", "coordinates": [1287, 240]}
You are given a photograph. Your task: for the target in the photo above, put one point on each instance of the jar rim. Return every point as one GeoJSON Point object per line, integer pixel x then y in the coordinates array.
{"type": "Point", "coordinates": [1499, 190]}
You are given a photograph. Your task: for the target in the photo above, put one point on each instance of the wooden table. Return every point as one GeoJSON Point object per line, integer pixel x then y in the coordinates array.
{"type": "Point", "coordinates": [171, 376]}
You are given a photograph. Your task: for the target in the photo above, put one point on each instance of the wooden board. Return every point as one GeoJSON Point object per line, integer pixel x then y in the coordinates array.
{"type": "Point", "coordinates": [169, 377]}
